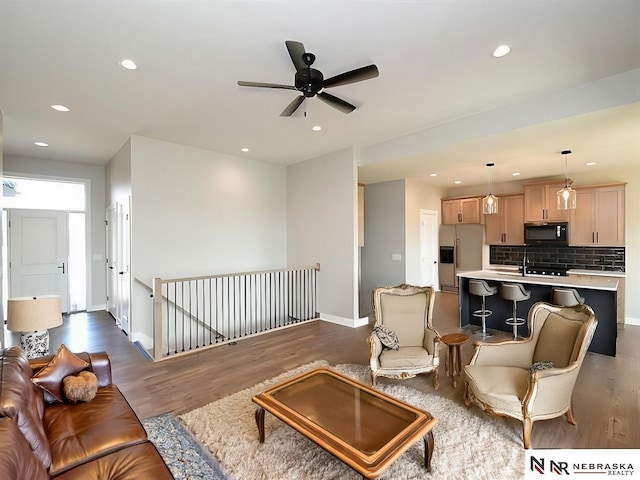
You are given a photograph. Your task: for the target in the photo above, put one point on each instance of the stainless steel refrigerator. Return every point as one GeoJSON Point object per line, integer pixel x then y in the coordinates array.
{"type": "Point", "coordinates": [461, 249]}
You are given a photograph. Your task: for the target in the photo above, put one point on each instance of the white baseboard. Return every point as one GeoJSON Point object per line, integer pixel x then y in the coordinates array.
{"type": "Point", "coordinates": [347, 322]}
{"type": "Point", "coordinates": [95, 308]}
{"type": "Point", "coordinates": [145, 340]}
{"type": "Point", "coordinates": [632, 321]}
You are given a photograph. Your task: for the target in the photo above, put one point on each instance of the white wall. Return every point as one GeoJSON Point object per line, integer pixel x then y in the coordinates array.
{"type": "Point", "coordinates": [95, 175]}
{"type": "Point", "coordinates": [198, 212]}
{"type": "Point", "coordinates": [322, 227]}
{"type": "Point", "coordinates": [384, 235]}
{"type": "Point", "coordinates": [118, 176]}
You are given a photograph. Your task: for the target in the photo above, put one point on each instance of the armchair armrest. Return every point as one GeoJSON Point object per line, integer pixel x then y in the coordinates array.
{"type": "Point", "coordinates": [550, 390]}
{"type": "Point", "coordinates": [431, 342]}
{"type": "Point", "coordinates": [509, 353]}
{"type": "Point", "coordinates": [376, 349]}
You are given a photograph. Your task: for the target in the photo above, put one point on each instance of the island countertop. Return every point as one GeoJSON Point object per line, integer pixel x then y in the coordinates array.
{"type": "Point", "coordinates": [609, 283]}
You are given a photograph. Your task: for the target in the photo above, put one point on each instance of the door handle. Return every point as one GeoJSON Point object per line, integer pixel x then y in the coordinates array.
{"type": "Point", "coordinates": [120, 273]}
{"type": "Point", "coordinates": [62, 267]}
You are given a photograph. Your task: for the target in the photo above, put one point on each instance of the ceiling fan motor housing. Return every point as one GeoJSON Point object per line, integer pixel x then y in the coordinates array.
{"type": "Point", "coordinates": [309, 81]}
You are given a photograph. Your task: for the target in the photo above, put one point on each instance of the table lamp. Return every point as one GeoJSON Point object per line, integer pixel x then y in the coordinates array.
{"type": "Point", "coordinates": [32, 316]}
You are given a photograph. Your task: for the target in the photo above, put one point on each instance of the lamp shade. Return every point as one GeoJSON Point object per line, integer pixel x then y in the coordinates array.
{"type": "Point", "coordinates": [30, 314]}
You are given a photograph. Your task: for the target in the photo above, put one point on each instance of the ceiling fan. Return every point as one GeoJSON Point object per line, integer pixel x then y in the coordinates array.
{"type": "Point", "coordinates": [309, 81]}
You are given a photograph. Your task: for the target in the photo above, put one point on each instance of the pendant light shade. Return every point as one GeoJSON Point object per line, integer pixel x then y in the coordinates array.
{"type": "Point", "coordinates": [490, 202]}
{"type": "Point", "coordinates": [567, 195]}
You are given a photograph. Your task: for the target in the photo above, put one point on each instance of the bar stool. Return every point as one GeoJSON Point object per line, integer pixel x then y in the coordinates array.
{"type": "Point", "coordinates": [516, 293]}
{"type": "Point", "coordinates": [566, 297]}
{"type": "Point", "coordinates": [482, 289]}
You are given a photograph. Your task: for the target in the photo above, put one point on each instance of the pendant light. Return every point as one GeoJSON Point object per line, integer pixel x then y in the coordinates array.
{"type": "Point", "coordinates": [490, 202]}
{"type": "Point", "coordinates": [567, 195]}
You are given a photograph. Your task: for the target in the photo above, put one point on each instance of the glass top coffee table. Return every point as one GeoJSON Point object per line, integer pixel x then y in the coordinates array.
{"type": "Point", "coordinates": [364, 428]}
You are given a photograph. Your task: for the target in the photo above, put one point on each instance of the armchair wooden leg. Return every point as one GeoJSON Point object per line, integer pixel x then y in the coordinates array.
{"type": "Point", "coordinates": [436, 379]}
{"type": "Point", "coordinates": [373, 379]}
{"type": "Point", "coordinates": [527, 425]}
{"type": "Point", "coordinates": [465, 395]}
{"type": "Point", "coordinates": [570, 418]}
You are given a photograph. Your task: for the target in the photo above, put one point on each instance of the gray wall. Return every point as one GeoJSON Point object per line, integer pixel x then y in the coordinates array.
{"type": "Point", "coordinates": [322, 227]}
{"type": "Point", "coordinates": [96, 283]}
{"type": "Point", "coordinates": [384, 235]}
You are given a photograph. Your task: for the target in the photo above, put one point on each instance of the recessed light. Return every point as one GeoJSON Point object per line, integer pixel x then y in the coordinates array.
{"type": "Point", "coordinates": [516, 174]}
{"type": "Point", "coordinates": [41, 144]}
{"type": "Point", "coordinates": [316, 128]}
{"type": "Point", "coordinates": [129, 64]}
{"type": "Point", "coordinates": [501, 51]}
{"type": "Point", "coordinates": [60, 108]}
{"type": "Point", "coordinates": [433, 174]}
{"type": "Point", "coordinates": [590, 164]}
{"type": "Point", "coordinates": [458, 182]}
{"type": "Point", "coordinates": [244, 149]}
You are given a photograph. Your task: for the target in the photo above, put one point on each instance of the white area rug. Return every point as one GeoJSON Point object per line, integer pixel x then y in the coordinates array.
{"type": "Point", "coordinates": [468, 444]}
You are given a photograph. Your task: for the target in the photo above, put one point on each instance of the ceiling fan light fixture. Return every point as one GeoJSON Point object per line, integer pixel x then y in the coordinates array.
{"type": "Point", "coordinates": [566, 196]}
{"type": "Point", "coordinates": [490, 202]}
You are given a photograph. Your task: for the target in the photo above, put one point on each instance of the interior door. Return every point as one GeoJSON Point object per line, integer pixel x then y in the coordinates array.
{"type": "Point", "coordinates": [124, 276]}
{"type": "Point", "coordinates": [38, 254]}
{"type": "Point", "coordinates": [429, 247]}
{"type": "Point", "coordinates": [112, 263]}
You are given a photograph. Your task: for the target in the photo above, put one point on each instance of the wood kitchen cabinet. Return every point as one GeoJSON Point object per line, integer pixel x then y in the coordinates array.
{"type": "Point", "coordinates": [461, 210]}
{"type": "Point", "coordinates": [541, 204]}
{"type": "Point", "coordinates": [599, 216]}
{"type": "Point", "coordinates": [507, 226]}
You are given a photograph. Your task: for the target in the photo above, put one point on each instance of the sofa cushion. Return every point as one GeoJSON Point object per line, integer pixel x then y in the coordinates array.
{"type": "Point", "coordinates": [23, 402]}
{"type": "Point", "coordinates": [50, 378]}
{"type": "Point", "coordinates": [406, 357]}
{"type": "Point", "coordinates": [138, 461]}
{"type": "Point", "coordinates": [17, 459]}
{"type": "Point", "coordinates": [81, 432]}
{"type": "Point", "coordinates": [503, 388]}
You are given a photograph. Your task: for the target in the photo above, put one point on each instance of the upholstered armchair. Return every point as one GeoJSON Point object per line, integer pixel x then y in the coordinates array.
{"type": "Point", "coordinates": [403, 321]}
{"type": "Point", "coordinates": [532, 379]}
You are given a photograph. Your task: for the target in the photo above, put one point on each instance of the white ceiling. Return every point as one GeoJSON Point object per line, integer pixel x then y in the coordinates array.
{"type": "Point", "coordinates": [436, 74]}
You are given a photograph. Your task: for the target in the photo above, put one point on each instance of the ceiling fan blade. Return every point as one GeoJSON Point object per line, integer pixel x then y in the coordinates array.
{"type": "Point", "coordinates": [296, 51]}
{"type": "Point", "coordinates": [293, 106]}
{"type": "Point", "coordinates": [357, 75]}
{"type": "Point", "coordinates": [265, 85]}
{"type": "Point", "coordinates": [336, 102]}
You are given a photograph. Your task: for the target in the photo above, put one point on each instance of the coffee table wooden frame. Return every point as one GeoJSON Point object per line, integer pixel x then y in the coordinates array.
{"type": "Point", "coordinates": [369, 465]}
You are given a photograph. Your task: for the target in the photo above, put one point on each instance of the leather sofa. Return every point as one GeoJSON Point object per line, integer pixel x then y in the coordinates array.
{"type": "Point", "coordinates": [99, 439]}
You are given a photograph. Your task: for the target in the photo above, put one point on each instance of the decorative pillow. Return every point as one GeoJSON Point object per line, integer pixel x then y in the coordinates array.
{"type": "Point", "coordinates": [50, 378]}
{"type": "Point", "coordinates": [388, 337]}
{"type": "Point", "coordinates": [80, 388]}
{"type": "Point", "coordinates": [540, 366]}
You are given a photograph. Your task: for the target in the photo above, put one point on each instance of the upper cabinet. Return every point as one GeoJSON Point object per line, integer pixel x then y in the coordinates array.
{"type": "Point", "coordinates": [461, 210]}
{"type": "Point", "coordinates": [541, 204]}
{"type": "Point", "coordinates": [599, 216]}
{"type": "Point", "coordinates": [507, 226]}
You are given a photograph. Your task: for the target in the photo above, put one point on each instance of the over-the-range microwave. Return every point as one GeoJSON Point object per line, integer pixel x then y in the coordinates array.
{"type": "Point", "coordinates": [551, 233]}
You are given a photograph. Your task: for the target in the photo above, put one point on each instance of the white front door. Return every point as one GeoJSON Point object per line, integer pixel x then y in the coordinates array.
{"type": "Point", "coordinates": [38, 254]}
{"type": "Point", "coordinates": [429, 247]}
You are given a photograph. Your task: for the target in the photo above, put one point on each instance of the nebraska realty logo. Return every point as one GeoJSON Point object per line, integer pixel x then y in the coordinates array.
{"type": "Point", "coordinates": [594, 463]}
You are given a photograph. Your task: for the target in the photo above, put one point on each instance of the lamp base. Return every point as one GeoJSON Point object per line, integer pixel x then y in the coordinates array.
{"type": "Point", "coordinates": [35, 344]}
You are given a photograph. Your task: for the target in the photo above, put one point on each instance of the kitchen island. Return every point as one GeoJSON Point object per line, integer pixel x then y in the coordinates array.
{"type": "Point", "coordinates": [600, 293]}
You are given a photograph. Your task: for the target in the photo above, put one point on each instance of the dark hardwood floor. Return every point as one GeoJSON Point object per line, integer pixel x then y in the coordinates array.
{"type": "Point", "coordinates": [606, 398]}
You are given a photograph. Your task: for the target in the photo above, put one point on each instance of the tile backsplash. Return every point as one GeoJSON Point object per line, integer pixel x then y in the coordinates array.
{"type": "Point", "coordinates": [611, 259]}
